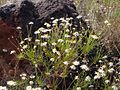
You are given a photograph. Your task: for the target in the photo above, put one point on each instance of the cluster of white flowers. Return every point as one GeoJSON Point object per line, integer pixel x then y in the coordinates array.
{"type": "Point", "coordinates": [44, 44]}
{"type": "Point", "coordinates": [84, 67]}
{"type": "Point", "coordinates": [54, 50]}
{"type": "Point", "coordinates": [31, 88]}
{"type": "Point", "coordinates": [45, 36]}
{"type": "Point", "coordinates": [76, 63]}
{"type": "Point", "coordinates": [25, 46]}
{"type": "Point", "coordinates": [67, 36]}
{"type": "Point", "coordinates": [66, 63]}
{"type": "Point", "coordinates": [32, 76]}
{"type": "Point", "coordinates": [73, 67]}
{"type": "Point", "coordinates": [107, 23]}
{"type": "Point", "coordinates": [60, 40]}
{"type": "Point", "coordinates": [88, 78]}
{"type": "Point", "coordinates": [23, 76]}
{"type": "Point", "coordinates": [78, 88]}
{"type": "Point", "coordinates": [111, 70]}
{"type": "Point", "coordinates": [28, 39]}
{"type": "Point", "coordinates": [3, 88]}
{"type": "Point", "coordinates": [76, 34]}
{"type": "Point", "coordinates": [54, 43]}
{"type": "Point", "coordinates": [47, 25]}
{"type": "Point", "coordinates": [11, 83]}
{"type": "Point", "coordinates": [100, 73]}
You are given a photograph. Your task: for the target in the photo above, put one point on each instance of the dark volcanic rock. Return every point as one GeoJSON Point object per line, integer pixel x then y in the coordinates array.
{"type": "Point", "coordinates": [39, 13]}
